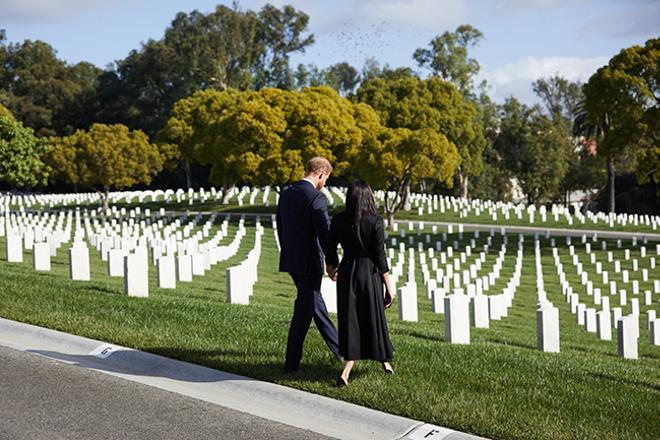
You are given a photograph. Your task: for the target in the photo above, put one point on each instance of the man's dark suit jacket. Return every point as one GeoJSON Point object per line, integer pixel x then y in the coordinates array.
{"type": "Point", "coordinates": [303, 230]}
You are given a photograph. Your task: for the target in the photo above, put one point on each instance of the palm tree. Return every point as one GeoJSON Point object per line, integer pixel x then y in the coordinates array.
{"type": "Point", "coordinates": [584, 126]}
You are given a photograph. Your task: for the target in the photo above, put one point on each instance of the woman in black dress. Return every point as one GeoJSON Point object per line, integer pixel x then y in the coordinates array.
{"type": "Point", "coordinates": [361, 302]}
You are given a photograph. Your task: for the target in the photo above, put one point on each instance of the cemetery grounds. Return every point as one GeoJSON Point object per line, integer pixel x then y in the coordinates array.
{"type": "Point", "coordinates": [498, 386]}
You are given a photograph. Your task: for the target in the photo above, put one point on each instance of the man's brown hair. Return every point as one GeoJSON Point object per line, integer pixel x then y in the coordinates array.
{"type": "Point", "coordinates": [318, 165]}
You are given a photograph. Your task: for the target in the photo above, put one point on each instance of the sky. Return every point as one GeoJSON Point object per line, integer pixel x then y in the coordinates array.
{"type": "Point", "coordinates": [523, 39]}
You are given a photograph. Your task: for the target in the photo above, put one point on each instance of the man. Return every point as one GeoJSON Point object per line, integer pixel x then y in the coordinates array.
{"type": "Point", "coordinates": [302, 228]}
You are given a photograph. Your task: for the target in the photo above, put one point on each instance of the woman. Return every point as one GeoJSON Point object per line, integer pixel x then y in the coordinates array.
{"type": "Point", "coordinates": [362, 272]}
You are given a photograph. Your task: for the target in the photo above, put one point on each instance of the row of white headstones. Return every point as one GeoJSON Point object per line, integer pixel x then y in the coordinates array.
{"type": "Point", "coordinates": [125, 244]}
{"type": "Point", "coordinates": [125, 249]}
{"type": "Point", "coordinates": [423, 203]}
{"type": "Point", "coordinates": [468, 306]}
{"type": "Point", "coordinates": [242, 196]}
{"type": "Point", "coordinates": [600, 322]}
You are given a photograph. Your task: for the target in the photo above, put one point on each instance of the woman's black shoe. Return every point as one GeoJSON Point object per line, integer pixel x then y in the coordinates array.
{"type": "Point", "coordinates": [341, 382]}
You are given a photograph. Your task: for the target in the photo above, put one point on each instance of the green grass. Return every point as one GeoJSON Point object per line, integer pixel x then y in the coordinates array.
{"type": "Point", "coordinates": [499, 386]}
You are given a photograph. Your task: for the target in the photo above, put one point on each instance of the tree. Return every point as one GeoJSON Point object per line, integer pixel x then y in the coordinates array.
{"type": "Point", "coordinates": [562, 99]}
{"type": "Point", "coordinates": [404, 101]}
{"type": "Point", "coordinates": [342, 77]}
{"type": "Point", "coordinates": [405, 157]}
{"type": "Point", "coordinates": [21, 153]}
{"type": "Point", "coordinates": [227, 48]}
{"type": "Point", "coordinates": [105, 157]}
{"type": "Point", "coordinates": [42, 91]}
{"type": "Point", "coordinates": [308, 76]}
{"type": "Point", "coordinates": [621, 99]}
{"type": "Point", "coordinates": [534, 150]}
{"type": "Point", "coordinates": [267, 135]}
{"type": "Point", "coordinates": [494, 182]}
{"type": "Point", "coordinates": [280, 33]}
{"type": "Point", "coordinates": [447, 57]}
{"type": "Point", "coordinates": [560, 96]}
{"type": "Point", "coordinates": [188, 124]}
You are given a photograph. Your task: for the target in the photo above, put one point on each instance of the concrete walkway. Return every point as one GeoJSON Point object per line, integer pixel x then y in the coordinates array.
{"type": "Point", "coordinates": [284, 407]}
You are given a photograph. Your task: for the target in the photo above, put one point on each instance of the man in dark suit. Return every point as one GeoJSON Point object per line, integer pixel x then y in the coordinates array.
{"type": "Point", "coordinates": [302, 228]}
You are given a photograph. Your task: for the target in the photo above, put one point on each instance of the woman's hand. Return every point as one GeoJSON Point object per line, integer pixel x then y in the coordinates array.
{"type": "Point", "coordinates": [389, 298]}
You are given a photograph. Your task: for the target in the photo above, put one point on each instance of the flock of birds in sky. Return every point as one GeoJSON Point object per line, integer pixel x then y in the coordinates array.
{"type": "Point", "coordinates": [357, 43]}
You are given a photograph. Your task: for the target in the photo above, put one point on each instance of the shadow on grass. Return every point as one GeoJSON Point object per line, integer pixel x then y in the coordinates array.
{"type": "Point", "coordinates": [648, 385]}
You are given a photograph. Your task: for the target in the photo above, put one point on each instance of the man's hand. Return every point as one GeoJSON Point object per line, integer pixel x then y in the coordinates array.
{"type": "Point", "coordinates": [331, 271]}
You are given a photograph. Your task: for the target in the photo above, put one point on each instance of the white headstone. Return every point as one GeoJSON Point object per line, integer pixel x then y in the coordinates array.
{"type": "Point", "coordinates": [14, 250]}
{"type": "Point", "coordinates": [654, 331]}
{"type": "Point", "coordinates": [41, 256]}
{"type": "Point", "coordinates": [79, 262]}
{"type": "Point", "coordinates": [116, 262]}
{"type": "Point", "coordinates": [408, 302]}
{"type": "Point", "coordinates": [136, 274]}
{"type": "Point", "coordinates": [479, 311]}
{"type": "Point", "coordinates": [166, 272]}
{"type": "Point", "coordinates": [547, 328]}
{"type": "Point", "coordinates": [329, 294]}
{"type": "Point", "coordinates": [184, 267]}
{"type": "Point", "coordinates": [604, 325]}
{"type": "Point", "coordinates": [238, 290]}
{"type": "Point", "coordinates": [438, 301]}
{"type": "Point", "coordinates": [457, 319]}
{"type": "Point", "coordinates": [627, 337]}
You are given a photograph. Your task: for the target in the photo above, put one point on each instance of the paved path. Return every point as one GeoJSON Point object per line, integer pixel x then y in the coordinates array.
{"type": "Point", "coordinates": [80, 388]}
{"type": "Point", "coordinates": [50, 400]}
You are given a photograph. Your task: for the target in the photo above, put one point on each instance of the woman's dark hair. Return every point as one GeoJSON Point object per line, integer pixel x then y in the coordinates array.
{"type": "Point", "coordinates": [359, 203]}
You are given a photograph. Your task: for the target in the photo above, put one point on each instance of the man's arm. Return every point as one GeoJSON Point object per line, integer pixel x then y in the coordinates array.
{"type": "Point", "coordinates": [321, 223]}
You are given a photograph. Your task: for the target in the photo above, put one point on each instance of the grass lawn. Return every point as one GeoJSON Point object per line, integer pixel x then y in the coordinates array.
{"type": "Point", "coordinates": [499, 386]}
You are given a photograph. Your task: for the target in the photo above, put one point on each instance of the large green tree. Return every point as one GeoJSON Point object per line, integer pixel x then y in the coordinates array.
{"type": "Point", "coordinates": [105, 157]}
{"type": "Point", "coordinates": [621, 111]}
{"type": "Point", "coordinates": [533, 149]}
{"type": "Point", "coordinates": [447, 57]}
{"type": "Point", "coordinates": [405, 101]}
{"type": "Point", "coordinates": [403, 158]}
{"type": "Point", "coordinates": [227, 47]}
{"type": "Point", "coordinates": [21, 153]}
{"type": "Point", "coordinates": [264, 137]}
{"type": "Point", "coordinates": [187, 127]}
{"type": "Point", "coordinates": [561, 100]}
{"type": "Point", "coordinates": [44, 92]}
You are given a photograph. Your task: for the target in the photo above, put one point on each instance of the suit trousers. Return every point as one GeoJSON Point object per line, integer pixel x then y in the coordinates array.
{"type": "Point", "coordinates": [309, 305]}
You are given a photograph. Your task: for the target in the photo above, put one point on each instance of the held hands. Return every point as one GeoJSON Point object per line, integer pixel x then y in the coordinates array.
{"type": "Point", "coordinates": [331, 271]}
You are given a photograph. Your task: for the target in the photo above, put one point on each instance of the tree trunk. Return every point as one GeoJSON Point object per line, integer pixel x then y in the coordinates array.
{"type": "Point", "coordinates": [186, 170]}
{"type": "Point", "coordinates": [610, 184]}
{"type": "Point", "coordinates": [463, 183]}
{"type": "Point", "coordinates": [406, 197]}
{"type": "Point", "coordinates": [390, 219]}
{"type": "Point", "coordinates": [226, 193]}
{"type": "Point", "coordinates": [104, 198]}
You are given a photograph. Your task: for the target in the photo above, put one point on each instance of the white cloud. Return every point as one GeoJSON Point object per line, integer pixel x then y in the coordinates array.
{"type": "Point", "coordinates": [636, 19]}
{"type": "Point", "coordinates": [516, 78]}
{"type": "Point", "coordinates": [40, 11]}
{"type": "Point", "coordinates": [524, 6]}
